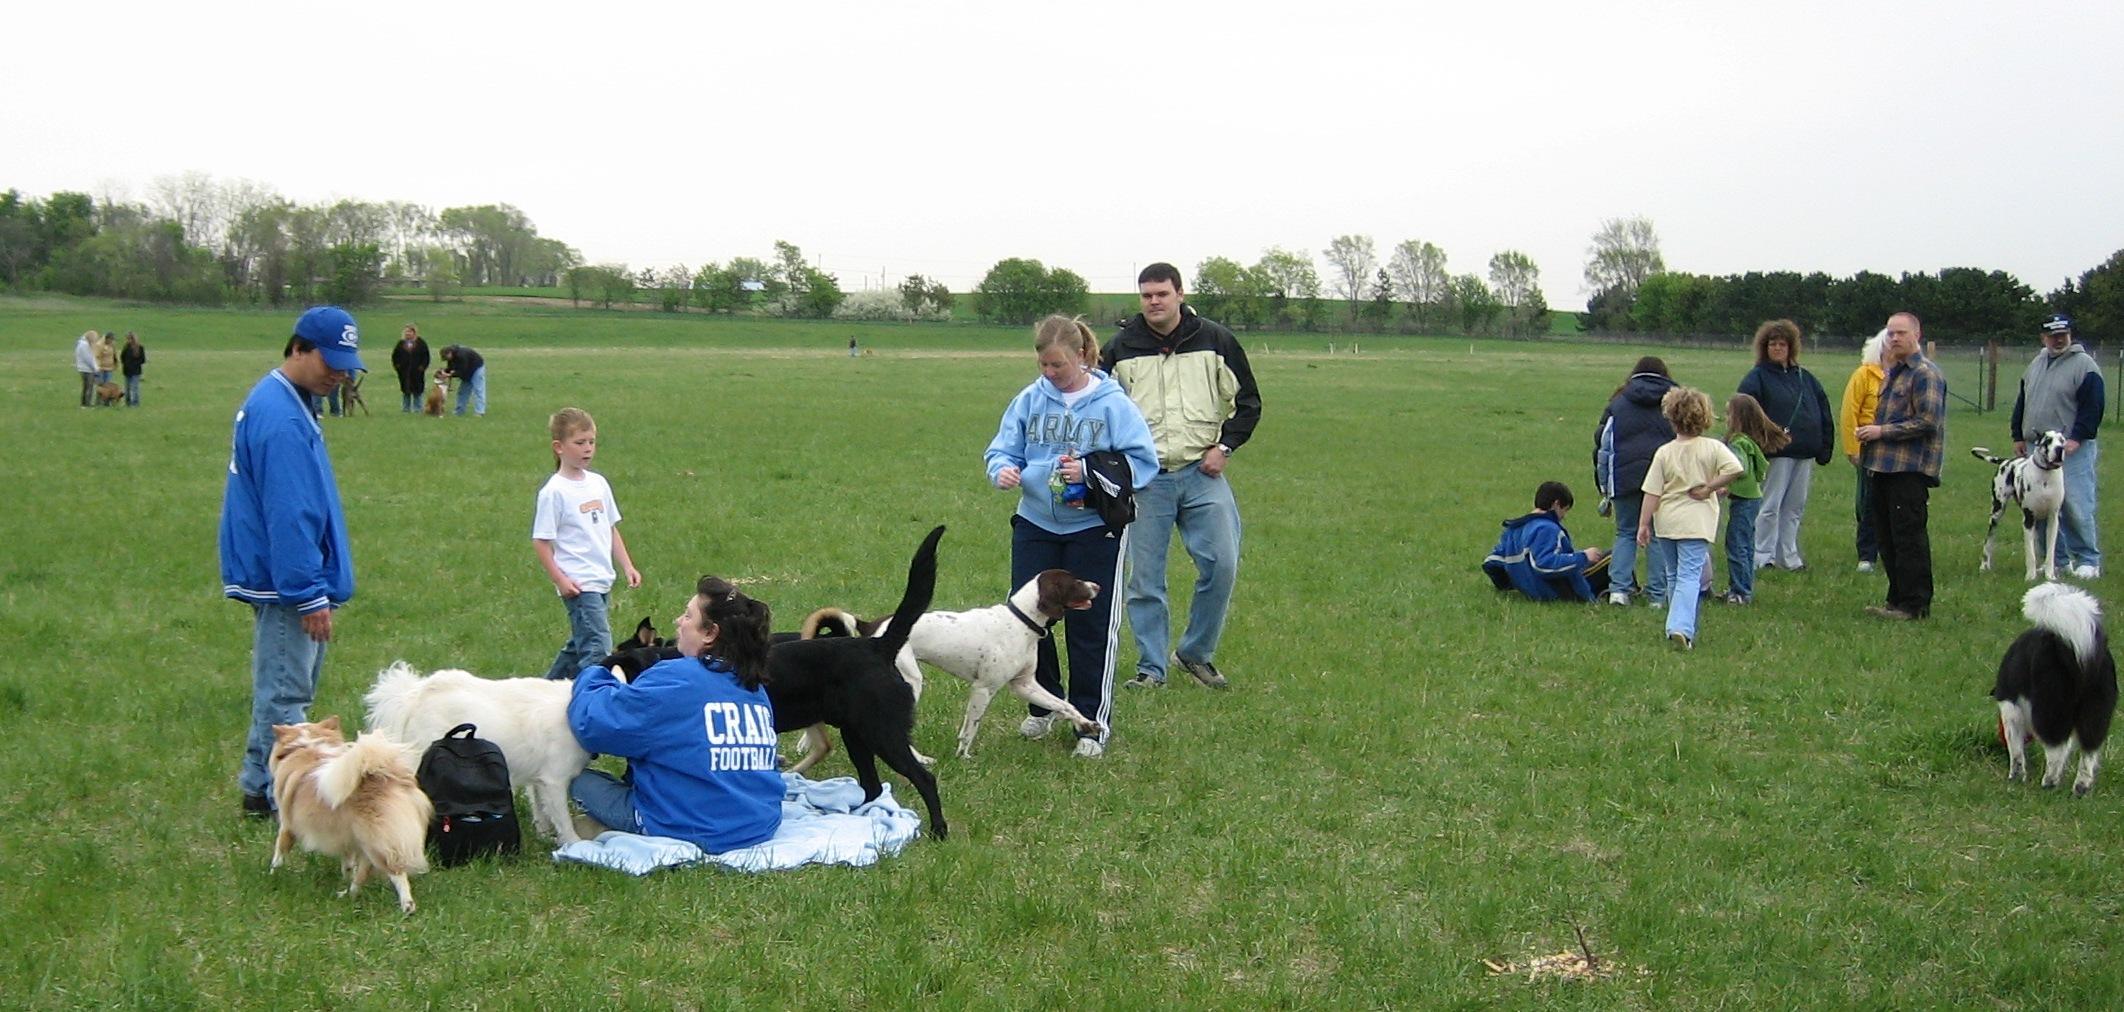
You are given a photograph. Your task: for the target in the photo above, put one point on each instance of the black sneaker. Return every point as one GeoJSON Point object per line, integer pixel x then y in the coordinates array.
{"type": "Point", "coordinates": [257, 806]}
{"type": "Point", "coordinates": [1143, 680]}
{"type": "Point", "coordinates": [1204, 672]}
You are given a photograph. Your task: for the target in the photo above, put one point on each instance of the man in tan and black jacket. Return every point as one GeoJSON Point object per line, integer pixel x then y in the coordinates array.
{"type": "Point", "coordinates": [1191, 380]}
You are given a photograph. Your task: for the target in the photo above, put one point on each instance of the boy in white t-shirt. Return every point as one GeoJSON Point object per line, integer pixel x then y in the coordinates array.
{"type": "Point", "coordinates": [1681, 490]}
{"type": "Point", "coordinates": [575, 531]}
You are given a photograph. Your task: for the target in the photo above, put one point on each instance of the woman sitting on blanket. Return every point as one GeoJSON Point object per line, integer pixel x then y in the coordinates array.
{"type": "Point", "coordinates": [697, 732]}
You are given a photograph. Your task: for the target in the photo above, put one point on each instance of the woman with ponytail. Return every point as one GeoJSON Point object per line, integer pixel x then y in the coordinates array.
{"type": "Point", "coordinates": [697, 731]}
{"type": "Point", "coordinates": [1071, 410]}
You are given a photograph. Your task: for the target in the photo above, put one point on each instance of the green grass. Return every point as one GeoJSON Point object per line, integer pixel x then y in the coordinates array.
{"type": "Point", "coordinates": [1410, 774]}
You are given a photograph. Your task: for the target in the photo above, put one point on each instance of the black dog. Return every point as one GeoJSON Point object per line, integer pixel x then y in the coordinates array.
{"type": "Point", "coordinates": [2058, 681]}
{"type": "Point", "coordinates": [852, 684]}
{"type": "Point", "coordinates": [644, 636]}
{"type": "Point", "coordinates": [848, 682]}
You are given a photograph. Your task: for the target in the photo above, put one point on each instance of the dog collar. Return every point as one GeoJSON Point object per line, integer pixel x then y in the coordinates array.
{"type": "Point", "coordinates": [2040, 466]}
{"type": "Point", "coordinates": [1037, 628]}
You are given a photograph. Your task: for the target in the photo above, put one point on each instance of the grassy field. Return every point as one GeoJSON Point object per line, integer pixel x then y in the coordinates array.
{"type": "Point", "coordinates": [1409, 776]}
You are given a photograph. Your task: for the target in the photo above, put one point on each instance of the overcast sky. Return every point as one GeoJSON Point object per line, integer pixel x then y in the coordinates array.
{"type": "Point", "coordinates": [894, 138]}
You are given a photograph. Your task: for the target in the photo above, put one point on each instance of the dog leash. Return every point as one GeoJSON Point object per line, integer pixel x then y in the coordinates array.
{"type": "Point", "coordinates": [1037, 628]}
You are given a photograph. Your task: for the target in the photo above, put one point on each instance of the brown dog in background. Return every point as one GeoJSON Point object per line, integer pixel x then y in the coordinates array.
{"type": "Point", "coordinates": [438, 392]}
{"type": "Point", "coordinates": [357, 802]}
{"type": "Point", "coordinates": [108, 394]}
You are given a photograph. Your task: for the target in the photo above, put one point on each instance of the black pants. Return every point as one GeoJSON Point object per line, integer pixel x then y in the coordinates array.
{"type": "Point", "coordinates": [1899, 518]}
{"type": "Point", "coordinates": [1091, 555]}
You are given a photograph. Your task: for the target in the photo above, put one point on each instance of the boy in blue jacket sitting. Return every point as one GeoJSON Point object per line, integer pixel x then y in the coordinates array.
{"type": "Point", "coordinates": [1534, 555]}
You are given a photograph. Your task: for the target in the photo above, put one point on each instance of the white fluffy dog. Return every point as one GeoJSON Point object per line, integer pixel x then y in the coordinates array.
{"type": "Point", "coordinates": [526, 717]}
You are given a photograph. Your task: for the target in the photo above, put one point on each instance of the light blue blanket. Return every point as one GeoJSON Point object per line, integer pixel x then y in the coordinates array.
{"type": "Point", "coordinates": [823, 822]}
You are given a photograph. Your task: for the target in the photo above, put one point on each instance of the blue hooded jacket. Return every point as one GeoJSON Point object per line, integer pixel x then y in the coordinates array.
{"type": "Point", "coordinates": [1534, 556]}
{"type": "Point", "coordinates": [1631, 430]}
{"type": "Point", "coordinates": [283, 534]}
{"type": "Point", "coordinates": [700, 749]}
{"type": "Point", "coordinates": [1038, 428]}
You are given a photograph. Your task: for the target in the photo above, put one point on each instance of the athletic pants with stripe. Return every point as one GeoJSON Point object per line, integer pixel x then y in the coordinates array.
{"type": "Point", "coordinates": [1092, 633]}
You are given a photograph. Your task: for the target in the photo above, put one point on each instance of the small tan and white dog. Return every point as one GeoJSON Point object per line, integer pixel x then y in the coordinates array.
{"type": "Point", "coordinates": [357, 802]}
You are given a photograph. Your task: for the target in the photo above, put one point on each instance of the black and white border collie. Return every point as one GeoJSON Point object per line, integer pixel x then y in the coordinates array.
{"type": "Point", "coordinates": [2058, 681]}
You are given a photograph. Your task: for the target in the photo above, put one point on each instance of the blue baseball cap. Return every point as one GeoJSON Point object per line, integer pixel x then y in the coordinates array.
{"type": "Point", "coordinates": [332, 330]}
{"type": "Point", "coordinates": [2057, 322]}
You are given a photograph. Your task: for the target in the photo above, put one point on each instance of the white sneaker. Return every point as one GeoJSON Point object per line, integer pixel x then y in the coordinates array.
{"type": "Point", "coordinates": [2087, 572]}
{"type": "Point", "coordinates": [1036, 727]}
{"type": "Point", "coordinates": [1865, 567]}
{"type": "Point", "coordinates": [1089, 748]}
{"type": "Point", "coordinates": [1618, 597]}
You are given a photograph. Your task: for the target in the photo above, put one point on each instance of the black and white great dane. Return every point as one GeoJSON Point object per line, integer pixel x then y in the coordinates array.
{"type": "Point", "coordinates": [2037, 482]}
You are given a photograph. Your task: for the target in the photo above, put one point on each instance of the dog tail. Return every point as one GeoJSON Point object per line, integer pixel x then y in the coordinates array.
{"type": "Point", "coordinates": [921, 586]}
{"type": "Point", "coordinates": [1983, 453]}
{"type": "Point", "coordinates": [390, 701]}
{"type": "Point", "coordinates": [830, 622]}
{"type": "Point", "coordinates": [2072, 614]}
{"type": "Point", "coordinates": [371, 755]}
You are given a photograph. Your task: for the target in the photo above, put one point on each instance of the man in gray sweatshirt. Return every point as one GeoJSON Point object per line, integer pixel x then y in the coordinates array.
{"type": "Point", "coordinates": [2062, 390]}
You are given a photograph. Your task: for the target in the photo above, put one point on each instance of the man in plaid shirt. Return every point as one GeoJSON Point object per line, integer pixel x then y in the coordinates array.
{"type": "Point", "coordinates": [1902, 454]}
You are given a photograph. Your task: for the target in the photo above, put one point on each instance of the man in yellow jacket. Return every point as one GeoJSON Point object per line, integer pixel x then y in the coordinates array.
{"type": "Point", "coordinates": [1861, 395]}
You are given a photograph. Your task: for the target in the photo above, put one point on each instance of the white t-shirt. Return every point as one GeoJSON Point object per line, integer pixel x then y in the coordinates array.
{"type": "Point", "coordinates": [578, 517]}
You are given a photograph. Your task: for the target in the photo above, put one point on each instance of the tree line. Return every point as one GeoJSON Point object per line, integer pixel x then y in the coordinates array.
{"type": "Point", "coordinates": [199, 241]}
{"type": "Point", "coordinates": [1634, 293]}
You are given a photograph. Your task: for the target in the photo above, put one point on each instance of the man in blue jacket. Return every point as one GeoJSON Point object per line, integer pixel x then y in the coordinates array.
{"type": "Point", "coordinates": [283, 535]}
{"type": "Point", "coordinates": [1534, 555]}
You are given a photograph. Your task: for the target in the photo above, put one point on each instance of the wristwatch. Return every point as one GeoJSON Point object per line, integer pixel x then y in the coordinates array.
{"type": "Point", "coordinates": [1227, 450]}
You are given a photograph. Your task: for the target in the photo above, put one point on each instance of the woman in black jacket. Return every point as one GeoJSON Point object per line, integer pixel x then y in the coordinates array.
{"type": "Point", "coordinates": [1794, 400]}
{"type": "Point", "coordinates": [1631, 430]}
{"type": "Point", "coordinates": [409, 359]}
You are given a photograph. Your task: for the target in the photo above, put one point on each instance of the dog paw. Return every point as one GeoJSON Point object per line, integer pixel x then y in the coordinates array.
{"type": "Point", "coordinates": [2080, 790]}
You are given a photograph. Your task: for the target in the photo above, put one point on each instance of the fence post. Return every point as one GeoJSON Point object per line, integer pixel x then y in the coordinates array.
{"type": "Point", "coordinates": [1991, 379]}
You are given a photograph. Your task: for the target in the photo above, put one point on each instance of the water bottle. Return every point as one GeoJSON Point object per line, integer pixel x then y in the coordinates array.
{"type": "Point", "coordinates": [1072, 491]}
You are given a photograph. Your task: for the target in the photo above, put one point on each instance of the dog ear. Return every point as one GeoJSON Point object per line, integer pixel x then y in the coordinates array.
{"type": "Point", "coordinates": [331, 722]}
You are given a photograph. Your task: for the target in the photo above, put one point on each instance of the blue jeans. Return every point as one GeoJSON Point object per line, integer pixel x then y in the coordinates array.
{"type": "Point", "coordinates": [1622, 565]}
{"type": "Point", "coordinates": [285, 663]}
{"type": "Point", "coordinates": [1740, 545]}
{"type": "Point", "coordinates": [1208, 518]}
{"type": "Point", "coordinates": [606, 798]}
{"type": "Point", "coordinates": [132, 391]}
{"type": "Point", "coordinates": [1093, 633]}
{"type": "Point", "coordinates": [1688, 557]}
{"type": "Point", "coordinates": [1869, 542]}
{"type": "Point", "coordinates": [474, 387]}
{"type": "Point", "coordinates": [2078, 543]}
{"type": "Point", "coordinates": [589, 634]}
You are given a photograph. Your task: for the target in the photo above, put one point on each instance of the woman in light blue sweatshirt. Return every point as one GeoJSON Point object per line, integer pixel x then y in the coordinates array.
{"type": "Point", "coordinates": [1073, 409]}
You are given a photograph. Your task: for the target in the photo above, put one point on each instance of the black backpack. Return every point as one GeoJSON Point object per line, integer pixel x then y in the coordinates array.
{"type": "Point", "coordinates": [467, 779]}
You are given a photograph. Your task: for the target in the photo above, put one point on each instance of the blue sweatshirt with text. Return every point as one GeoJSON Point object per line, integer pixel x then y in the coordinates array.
{"type": "Point", "coordinates": [700, 749]}
{"type": "Point", "coordinates": [283, 535]}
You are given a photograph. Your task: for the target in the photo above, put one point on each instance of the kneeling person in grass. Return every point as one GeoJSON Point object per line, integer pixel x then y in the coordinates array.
{"type": "Point", "coordinates": [1534, 554]}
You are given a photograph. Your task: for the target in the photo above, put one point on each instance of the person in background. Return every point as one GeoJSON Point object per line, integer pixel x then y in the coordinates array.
{"type": "Point", "coordinates": [1191, 380]}
{"type": "Point", "coordinates": [1862, 393]}
{"type": "Point", "coordinates": [409, 359]}
{"type": "Point", "coordinates": [1904, 449]}
{"type": "Point", "coordinates": [1631, 430]}
{"type": "Point", "coordinates": [85, 364]}
{"type": "Point", "coordinates": [1795, 402]}
{"type": "Point", "coordinates": [2062, 390]}
{"type": "Point", "coordinates": [130, 360]}
{"type": "Point", "coordinates": [463, 364]}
